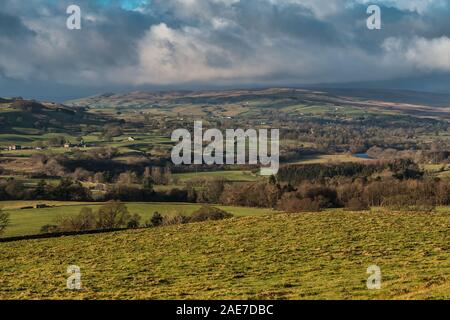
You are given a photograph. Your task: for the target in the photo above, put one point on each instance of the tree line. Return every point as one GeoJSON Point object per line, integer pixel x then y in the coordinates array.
{"type": "Point", "coordinates": [395, 184]}
{"type": "Point", "coordinates": [115, 215]}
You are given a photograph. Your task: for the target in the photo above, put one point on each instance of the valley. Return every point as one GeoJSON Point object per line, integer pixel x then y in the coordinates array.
{"type": "Point", "coordinates": [362, 181]}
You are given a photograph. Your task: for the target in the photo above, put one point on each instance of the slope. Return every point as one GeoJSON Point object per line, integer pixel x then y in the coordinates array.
{"type": "Point", "coordinates": [307, 256]}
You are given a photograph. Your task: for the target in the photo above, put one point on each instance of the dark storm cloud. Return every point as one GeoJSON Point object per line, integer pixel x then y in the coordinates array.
{"type": "Point", "coordinates": [184, 43]}
{"type": "Point", "coordinates": [12, 27]}
{"type": "Point", "coordinates": [288, 20]}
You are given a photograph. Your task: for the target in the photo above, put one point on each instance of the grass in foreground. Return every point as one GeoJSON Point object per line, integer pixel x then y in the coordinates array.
{"type": "Point", "coordinates": [305, 256]}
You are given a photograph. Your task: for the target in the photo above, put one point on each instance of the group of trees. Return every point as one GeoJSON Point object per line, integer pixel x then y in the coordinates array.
{"type": "Point", "coordinates": [150, 176]}
{"type": "Point", "coordinates": [399, 169]}
{"type": "Point", "coordinates": [126, 185]}
{"type": "Point", "coordinates": [112, 130]}
{"type": "Point", "coordinates": [361, 194]}
{"type": "Point", "coordinates": [66, 190]}
{"type": "Point", "coordinates": [115, 215]}
{"type": "Point", "coordinates": [438, 153]}
{"type": "Point", "coordinates": [296, 188]}
{"type": "Point", "coordinates": [397, 185]}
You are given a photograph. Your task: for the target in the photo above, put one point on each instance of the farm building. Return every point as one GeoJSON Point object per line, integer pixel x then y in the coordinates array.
{"type": "Point", "coordinates": [15, 147]}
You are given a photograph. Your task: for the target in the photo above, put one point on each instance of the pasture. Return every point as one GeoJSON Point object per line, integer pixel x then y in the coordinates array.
{"type": "Point", "coordinates": [30, 221]}
{"type": "Point", "coordinates": [298, 256]}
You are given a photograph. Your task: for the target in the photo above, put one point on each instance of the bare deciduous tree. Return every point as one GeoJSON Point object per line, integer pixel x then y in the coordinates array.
{"type": "Point", "coordinates": [4, 220]}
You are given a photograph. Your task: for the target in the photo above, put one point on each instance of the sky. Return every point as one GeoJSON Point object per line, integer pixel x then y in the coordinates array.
{"type": "Point", "coordinates": [127, 45]}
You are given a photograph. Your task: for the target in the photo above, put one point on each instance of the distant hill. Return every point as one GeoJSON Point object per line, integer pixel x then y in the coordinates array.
{"type": "Point", "coordinates": [28, 116]}
{"type": "Point", "coordinates": [404, 102]}
{"type": "Point", "coordinates": [397, 96]}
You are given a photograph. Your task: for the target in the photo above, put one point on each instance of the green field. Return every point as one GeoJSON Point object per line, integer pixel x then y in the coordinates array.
{"type": "Point", "coordinates": [330, 158]}
{"type": "Point", "coordinates": [229, 175]}
{"type": "Point", "coordinates": [30, 221]}
{"type": "Point", "coordinates": [304, 256]}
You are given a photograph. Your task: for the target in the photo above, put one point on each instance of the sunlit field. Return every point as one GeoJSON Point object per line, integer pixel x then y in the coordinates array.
{"type": "Point", "coordinates": [299, 256]}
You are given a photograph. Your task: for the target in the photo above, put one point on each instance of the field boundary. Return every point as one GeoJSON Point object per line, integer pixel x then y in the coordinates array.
{"type": "Point", "coordinates": [60, 234]}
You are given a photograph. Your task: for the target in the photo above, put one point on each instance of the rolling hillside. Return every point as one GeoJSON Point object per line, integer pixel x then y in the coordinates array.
{"type": "Point", "coordinates": [18, 116]}
{"type": "Point", "coordinates": [241, 102]}
{"type": "Point", "coordinates": [305, 256]}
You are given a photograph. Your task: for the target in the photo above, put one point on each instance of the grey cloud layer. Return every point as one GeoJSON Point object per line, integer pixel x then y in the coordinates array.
{"type": "Point", "coordinates": [173, 42]}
